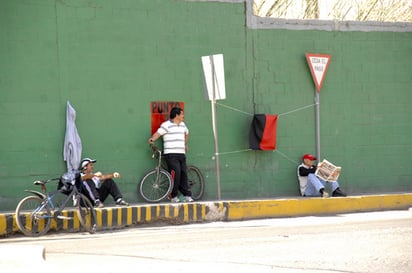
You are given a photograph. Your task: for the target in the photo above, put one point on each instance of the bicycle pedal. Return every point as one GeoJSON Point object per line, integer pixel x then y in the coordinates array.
{"type": "Point", "coordinates": [64, 217]}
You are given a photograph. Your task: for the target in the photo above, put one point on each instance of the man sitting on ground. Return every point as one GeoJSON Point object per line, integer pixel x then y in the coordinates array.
{"type": "Point", "coordinates": [98, 186]}
{"type": "Point", "coordinates": [310, 184]}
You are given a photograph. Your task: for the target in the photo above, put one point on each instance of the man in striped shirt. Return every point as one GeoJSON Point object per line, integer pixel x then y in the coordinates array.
{"type": "Point", "coordinates": [175, 135]}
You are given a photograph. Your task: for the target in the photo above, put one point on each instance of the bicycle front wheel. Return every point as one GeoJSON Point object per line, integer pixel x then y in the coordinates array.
{"type": "Point", "coordinates": [86, 213]}
{"type": "Point", "coordinates": [155, 186]}
{"type": "Point", "coordinates": [196, 182]}
{"type": "Point", "coordinates": [33, 217]}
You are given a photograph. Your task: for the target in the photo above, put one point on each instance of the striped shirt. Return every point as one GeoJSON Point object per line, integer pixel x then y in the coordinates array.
{"type": "Point", "coordinates": [173, 137]}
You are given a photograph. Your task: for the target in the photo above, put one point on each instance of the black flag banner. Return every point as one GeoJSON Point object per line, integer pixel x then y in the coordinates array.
{"type": "Point", "coordinates": [262, 135]}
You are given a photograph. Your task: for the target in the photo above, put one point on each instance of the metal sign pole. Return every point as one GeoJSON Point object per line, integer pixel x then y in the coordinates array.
{"type": "Point", "coordinates": [318, 64]}
{"type": "Point", "coordinates": [213, 103]}
{"type": "Point", "coordinates": [317, 113]}
{"type": "Point", "coordinates": [215, 135]}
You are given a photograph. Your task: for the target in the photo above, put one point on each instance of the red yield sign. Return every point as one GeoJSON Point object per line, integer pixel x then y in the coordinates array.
{"type": "Point", "coordinates": [318, 64]}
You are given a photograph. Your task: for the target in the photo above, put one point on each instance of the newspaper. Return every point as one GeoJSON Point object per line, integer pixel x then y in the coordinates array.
{"type": "Point", "coordinates": [327, 171]}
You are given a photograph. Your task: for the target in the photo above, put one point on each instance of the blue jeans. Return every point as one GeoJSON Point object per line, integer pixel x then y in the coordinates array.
{"type": "Point", "coordinates": [315, 184]}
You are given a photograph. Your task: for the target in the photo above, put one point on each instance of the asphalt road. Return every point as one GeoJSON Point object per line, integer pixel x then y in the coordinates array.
{"type": "Point", "coordinates": [361, 242]}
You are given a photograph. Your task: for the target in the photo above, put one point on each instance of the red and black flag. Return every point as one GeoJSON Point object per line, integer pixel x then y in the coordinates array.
{"type": "Point", "coordinates": [262, 135]}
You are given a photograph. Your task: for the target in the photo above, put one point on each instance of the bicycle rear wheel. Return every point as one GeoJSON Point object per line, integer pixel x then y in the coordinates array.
{"type": "Point", "coordinates": [195, 181]}
{"type": "Point", "coordinates": [153, 187]}
{"type": "Point", "coordinates": [86, 213]}
{"type": "Point", "coordinates": [32, 218]}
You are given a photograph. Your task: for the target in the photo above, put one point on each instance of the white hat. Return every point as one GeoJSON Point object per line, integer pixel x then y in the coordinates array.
{"type": "Point", "coordinates": [86, 161]}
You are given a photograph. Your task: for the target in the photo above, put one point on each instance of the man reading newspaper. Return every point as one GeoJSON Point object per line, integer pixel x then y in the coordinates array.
{"type": "Point", "coordinates": [327, 171]}
{"type": "Point", "coordinates": [313, 183]}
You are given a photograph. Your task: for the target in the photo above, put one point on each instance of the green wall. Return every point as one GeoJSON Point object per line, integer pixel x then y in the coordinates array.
{"type": "Point", "coordinates": [110, 59]}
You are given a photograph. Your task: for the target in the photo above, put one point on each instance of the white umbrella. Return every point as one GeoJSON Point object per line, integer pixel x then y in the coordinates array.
{"type": "Point", "coordinates": [72, 150]}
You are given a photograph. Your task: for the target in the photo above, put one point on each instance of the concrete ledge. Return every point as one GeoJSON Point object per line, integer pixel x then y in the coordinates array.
{"type": "Point", "coordinates": [186, 213]}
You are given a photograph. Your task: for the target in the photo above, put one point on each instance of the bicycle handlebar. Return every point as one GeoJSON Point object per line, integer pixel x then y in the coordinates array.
{"type": "Point", "coordinates": [155, 150]}
{"type": "Point", "coordinates": [154, 147]}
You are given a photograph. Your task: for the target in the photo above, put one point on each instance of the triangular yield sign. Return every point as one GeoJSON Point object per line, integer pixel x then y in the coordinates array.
{"type": "Point", "coordinates": [318, 64]}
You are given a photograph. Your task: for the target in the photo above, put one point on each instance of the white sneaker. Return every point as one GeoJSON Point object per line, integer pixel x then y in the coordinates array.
{"type": "Point", "coordinates": [175, 200]}
{"type": "Point", "coordinates": [188, 199]}
{"type": "Point", "coordinates": [325, 194]}
{"type": "Point", "coordinates": [98, 204]}
{"type": "Point", "coordinates": [121, 202]}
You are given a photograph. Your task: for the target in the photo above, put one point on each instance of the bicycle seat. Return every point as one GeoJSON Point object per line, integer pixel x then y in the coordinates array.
{"type": "Point", "coordinates": [39, 182]}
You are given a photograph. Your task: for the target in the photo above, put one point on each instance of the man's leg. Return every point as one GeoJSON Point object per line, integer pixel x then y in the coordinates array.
{"type": "Point", "coordinates": [184, 184]}
{"type": "Point", "coordinates": [336, 191]}
{"type": "Point", "coordinates": [110, 187]}
{"type": "Point", "coordinates": [334, 185]}
{"type": "Point", "coordinates": [315, 186]}
{"type": "Point", "coordinates": [89, 189]}
{"type": "Point", "coordinates": [173, 166]}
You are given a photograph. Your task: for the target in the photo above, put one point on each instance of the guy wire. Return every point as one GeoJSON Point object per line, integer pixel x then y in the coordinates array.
{"type": "Point", "coordinates": [246, 113]}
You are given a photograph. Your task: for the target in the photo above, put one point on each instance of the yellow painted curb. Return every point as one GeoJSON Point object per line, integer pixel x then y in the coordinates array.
{"type": "Point", "coordinates": [315, 206]}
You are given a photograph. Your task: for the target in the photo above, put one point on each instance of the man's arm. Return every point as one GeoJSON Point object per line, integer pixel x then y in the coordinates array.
{"type": "Point", "coordinates": [101, 176]}
{"type": "Point", "coordinates": [305, 172]}
{"type": "Point", "coordinates": [154, 137]}
{"type": "Point", "coordinates": [109, 176]}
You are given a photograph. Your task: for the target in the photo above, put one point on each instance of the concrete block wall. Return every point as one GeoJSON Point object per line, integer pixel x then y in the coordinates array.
{"type": "Point", "coordinates": [110, 60]}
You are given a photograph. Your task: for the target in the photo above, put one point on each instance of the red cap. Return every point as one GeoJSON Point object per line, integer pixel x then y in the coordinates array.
{"type": "Point", "coordinates": [308, 156]}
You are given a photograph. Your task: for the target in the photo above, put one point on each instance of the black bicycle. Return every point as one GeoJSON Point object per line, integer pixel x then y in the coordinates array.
{"type": "Point", "coordinates": [157, 184]}
{"type": "Point", "coordinates": [34, 213]}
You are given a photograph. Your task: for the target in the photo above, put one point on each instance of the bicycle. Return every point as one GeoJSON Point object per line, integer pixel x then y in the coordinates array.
{"type": "Point", "coordinates": [157, 184]}
{"type": "Point", "coordinates": [35, 212]}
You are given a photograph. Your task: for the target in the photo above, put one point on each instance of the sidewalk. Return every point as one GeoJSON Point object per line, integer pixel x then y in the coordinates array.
{"type": "Point", "coordinates": [185, 213]}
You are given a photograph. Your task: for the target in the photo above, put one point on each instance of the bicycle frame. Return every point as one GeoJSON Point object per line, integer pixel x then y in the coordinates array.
{"type": "Point", "coordinates": [157, 183]}
{"type": "Point", "coordinates": [159, 164]}
{"type": "Point", "coordinates": [48, 200]}
{"type": "Point", "coordinates": [35, 212]}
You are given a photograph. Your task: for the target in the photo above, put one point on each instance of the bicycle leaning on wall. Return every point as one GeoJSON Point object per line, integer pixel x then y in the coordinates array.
{"type": "Point", "coordinates": [35, 212]}
{"type": "Point", "coordinates": [157, 184]}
